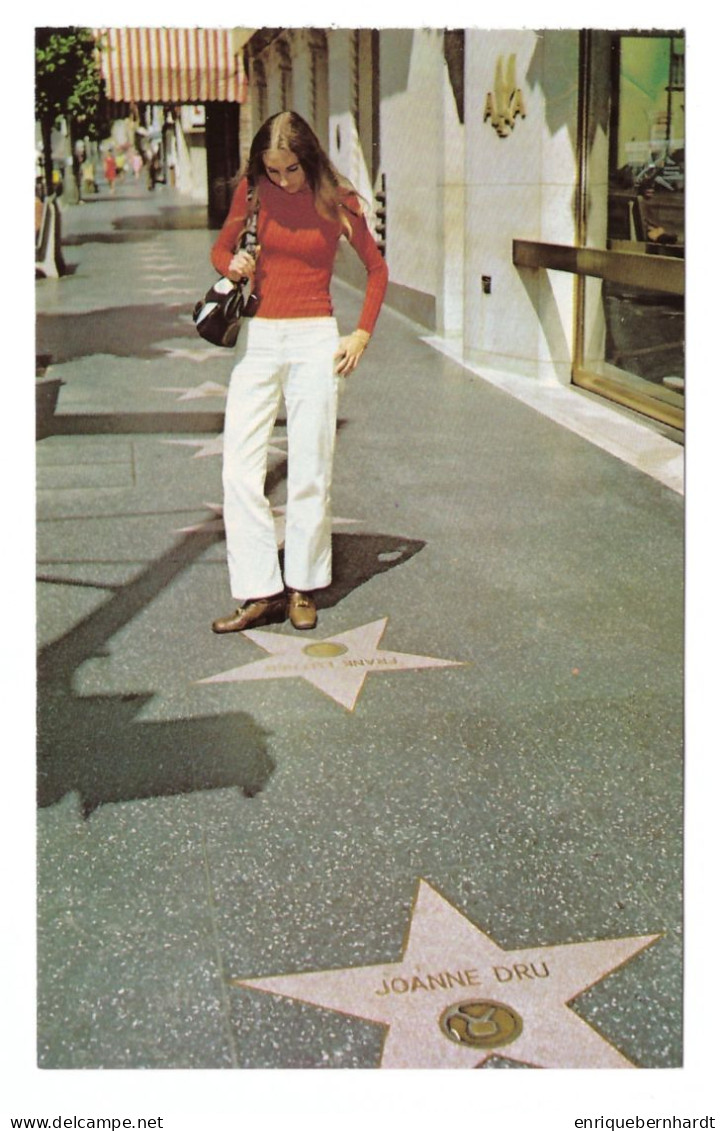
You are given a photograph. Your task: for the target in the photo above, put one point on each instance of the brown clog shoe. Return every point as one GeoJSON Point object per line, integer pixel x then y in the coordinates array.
{"type": "Point", "coordinates": [257, 611]}
{"type": "Point", "coordinates": [302, 611]}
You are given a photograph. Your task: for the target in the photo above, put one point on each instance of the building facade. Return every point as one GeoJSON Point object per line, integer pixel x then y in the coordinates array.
{"type": "Point", "coordinates": [527, 187]}
{"type": "Point", "coordinates": [179, 91]}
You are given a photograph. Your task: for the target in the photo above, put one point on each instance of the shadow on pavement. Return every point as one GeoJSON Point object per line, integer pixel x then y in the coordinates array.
{"type": "Point", "coordinates": [357, 558]}
{"type": "Point", "coordinates": [165, 218]}
{"type": "Point", "coordinates": [78, 239]}
{"type": "Point", "coordinates": [95, 746]}
{"type": "Point", "coordinates": [66, 337]}
{"type": "Point", "coordinates": [128, 423]}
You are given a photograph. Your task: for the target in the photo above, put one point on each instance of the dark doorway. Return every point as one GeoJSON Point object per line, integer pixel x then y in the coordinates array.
{"type": "Point", "coordinates": [222, 150]}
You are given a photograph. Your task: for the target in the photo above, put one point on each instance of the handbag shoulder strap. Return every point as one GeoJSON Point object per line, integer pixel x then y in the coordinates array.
{"type": "Point", "coordinates": [250, 223]}
{"type": "Point", "coordinates": [252, 213]}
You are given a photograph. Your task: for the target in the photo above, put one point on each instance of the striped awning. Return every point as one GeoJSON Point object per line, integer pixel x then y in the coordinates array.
{"type": "Point", "coordinates": [181, 65]}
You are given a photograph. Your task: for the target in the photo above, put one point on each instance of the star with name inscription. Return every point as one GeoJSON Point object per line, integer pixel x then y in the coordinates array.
{"type": "Point", "coordinates": [166, 276]}
{"type": "Point", "coordinates": [212, 447]}
{"type": "Point", "coordinates": [455, 999]}
{"type": "Point", "coordinates": [157, 292]}
{"type": "Point", "coordinates": [215, 446]}
{"type": "Point", "coordinates": [197, 392]}
{"type": "Point", "coordinates": [279, 514]}
{"type": "Point", "coordinates": [196, 355]}
{"type": "Point", "coordinates": [337, 665]}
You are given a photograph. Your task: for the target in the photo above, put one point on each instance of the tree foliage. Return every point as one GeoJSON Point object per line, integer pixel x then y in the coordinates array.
{"type": "Point", "coordinates": [67, 73]}
{"type": "Point", "coordinates": [68, 81]}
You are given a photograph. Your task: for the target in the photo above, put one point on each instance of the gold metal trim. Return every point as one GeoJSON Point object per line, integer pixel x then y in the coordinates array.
{"type": "Point", "coordinates": [648, 272]}
{"type": "Point", "coordinates": [325, 648]}
{"type": "Point", "coordinates": [481, 1024]}
{"type": "Point", "coordinates": [619, 263]}
{"type": "Point", "coordinates": [582, 163]}
{"type": "Point", "coordinates": [617, 391]}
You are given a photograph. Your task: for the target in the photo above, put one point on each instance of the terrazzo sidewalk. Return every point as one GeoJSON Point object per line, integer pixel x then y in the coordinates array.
{"type": "Point", "coordinates": [442, 830]}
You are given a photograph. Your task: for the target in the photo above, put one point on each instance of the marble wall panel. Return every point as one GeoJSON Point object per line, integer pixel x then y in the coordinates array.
{"type": "Point", "coordinates": [411, 131]}
{"type": "Point", "coordinates": [521, 186]}
{"type": "Point", "coordinates": [501, 324]}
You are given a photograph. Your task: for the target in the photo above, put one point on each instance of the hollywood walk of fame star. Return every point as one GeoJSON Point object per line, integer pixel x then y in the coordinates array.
{"type": "Point", "coordinates": [195, 355]}
{"type": "Point", "coordinates": [155, 267]}
{"type": "Point", "coordinates": [166, 276]}
{"type": "Point", "coordinates": [337, 665]}
{"type": "Point", "coordinates": [209, 526]}
{"type": "Point", "coordinates": [215, 446]}
{"type": "Point", "coordinates": [157, 256]}
{"type": "Point", "coordinates": [455, 999]}
{"type": "Point", "coordinates": [211, 447]}
{"type": "Point", "coordinates": [278, 514]}
{"type": "Point", "coordinates": [164, 290]}
{"type": "Point", "coordinates": [197, 392]}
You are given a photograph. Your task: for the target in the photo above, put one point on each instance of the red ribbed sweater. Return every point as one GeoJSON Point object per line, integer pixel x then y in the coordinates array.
{"type": "Point", "coordinates": [297, 253]}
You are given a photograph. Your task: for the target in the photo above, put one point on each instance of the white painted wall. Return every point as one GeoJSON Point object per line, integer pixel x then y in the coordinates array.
{"type": "Point", "coordinates": [191, 175]}
{"type": "Point", "coordinates": [449, 312]}
{"type": "Point", "coordinates": [411, 130]}
{"type": "Point", "coordinates": [459, 194]}
{"type": "Point", "coordinates": [341, 122]}
{"type": "Point", "coordinates": [521, 186]}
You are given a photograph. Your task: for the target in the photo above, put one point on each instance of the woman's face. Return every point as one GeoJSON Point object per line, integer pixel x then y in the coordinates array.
{"type": "Point", "coordinates": [284, 170]}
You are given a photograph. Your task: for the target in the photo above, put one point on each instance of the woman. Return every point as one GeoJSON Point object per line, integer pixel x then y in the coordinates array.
{"type": "Point", "coordinates": [109, 170]}
{"type": "Point", "coordinates": [290, 348]}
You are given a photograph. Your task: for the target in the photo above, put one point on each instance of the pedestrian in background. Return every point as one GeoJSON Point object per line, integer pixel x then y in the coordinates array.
{"type": "Point", "coordinates": [79, 156]}
{"type": "Point", "coordinates": [88, 175]}
{"type": "Point", "coordinates": [154, 169]}
{"type": "Point", "coordinates": [290, 348]}
{"type": "Point", "coordinates": [109, 170]}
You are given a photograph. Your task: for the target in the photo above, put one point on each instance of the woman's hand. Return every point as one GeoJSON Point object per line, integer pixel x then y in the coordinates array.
{"type": "Point", "coordinates": [242, 266]}
{"type": "Point", "coordinates": [350, 351]}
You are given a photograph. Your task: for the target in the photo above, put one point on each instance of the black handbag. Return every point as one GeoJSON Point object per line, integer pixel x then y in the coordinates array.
{"type": "Point", "coordinates": [218, 315]}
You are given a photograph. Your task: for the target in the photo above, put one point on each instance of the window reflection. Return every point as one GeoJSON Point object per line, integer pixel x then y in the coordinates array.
{"type": "Point", "coordinates": [648, 142]}
{"type": "Point", "coordinates": [646, 213]}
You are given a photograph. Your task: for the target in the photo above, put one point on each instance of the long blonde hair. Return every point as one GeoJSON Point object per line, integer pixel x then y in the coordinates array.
{"type": "Point", "coordinates": [332, 191]}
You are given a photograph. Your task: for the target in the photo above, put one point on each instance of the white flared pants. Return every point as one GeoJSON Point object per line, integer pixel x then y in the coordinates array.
{"type": "Point", "coordinates": [294, 358]}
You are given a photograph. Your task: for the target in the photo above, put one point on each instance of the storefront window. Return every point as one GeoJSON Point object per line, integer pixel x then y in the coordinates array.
{"type": "Point", "coordinates": [639, 355]}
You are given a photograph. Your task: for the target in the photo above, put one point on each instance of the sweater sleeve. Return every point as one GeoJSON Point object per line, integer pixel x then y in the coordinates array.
{"type": "Point", "coordinates": [376, 267]}
{"type": "Point", "coordinates": [226, 242]}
